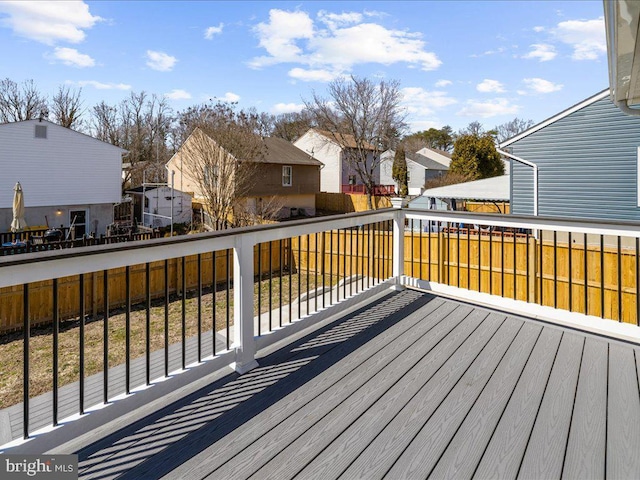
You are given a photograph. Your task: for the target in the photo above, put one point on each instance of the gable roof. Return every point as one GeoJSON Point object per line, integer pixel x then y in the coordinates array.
{"type": "Point", "coordinates": [55, 125]}
{"type": "Point", "coordinates": [578, 106]}
{"type": "Point", "coordinates": [418, 158]}
{"type": "Point", "coordinates": [443, 158]}
{"type": "Point", "coordinates": [345, 140]}
{"type": "Point", "coordinates": [280, 151]}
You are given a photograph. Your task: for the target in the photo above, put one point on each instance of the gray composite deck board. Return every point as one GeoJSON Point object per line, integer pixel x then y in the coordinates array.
{"type": "Point", "coordinates": [546, 448]}
{"type": "Point", "coordinates": [394, 382]}
{"type": "Point", "coordinates": [335, 407]}
{"type": "Point", "coordinates": [465, 450]}
{"type": "Point", "coordinates": [506, 447]}
{"type": "Point", "coordinates": [331, 339]}
{"type": "Point", "coordinates": [410, 386]}
{"type": "Point", "coordinates": [585, 456]}
{"type": "Point", "coordinates": [623, 429]}
{"type": "Point", "coordinates": [380, 455]}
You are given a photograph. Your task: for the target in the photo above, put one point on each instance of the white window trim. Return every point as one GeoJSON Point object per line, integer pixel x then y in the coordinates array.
{"type": "Point", "coordinates": [284, 175]}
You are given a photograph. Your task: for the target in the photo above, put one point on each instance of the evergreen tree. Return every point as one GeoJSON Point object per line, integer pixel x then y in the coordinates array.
{"type": "Point", "coordinates": [399, 171]}
{"type": "Point", "coordinates": [475, 157]}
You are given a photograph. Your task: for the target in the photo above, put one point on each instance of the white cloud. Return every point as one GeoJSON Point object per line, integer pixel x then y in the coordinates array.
{"type": "Point", "coordinates": [160, 61]}
{"type": "Point", "coordinates": [312, 75]}
{"type": "Point", "coordinates": [488, 109]}
{"type": "Point", "coordinates": [420, 102]}
{"type": "Point", "coordinates": [337, 43]}
{"type": "Point", "coordinates": [287, 107]}
{"type": "Point", "coordinates": [210, 32]}
{"type": "Point", "coordinates": [488, 85]}
{"type": "Point", "coordinates": [538, 29]}
{"type": "Point", "coordinates": [230, 97]}
{"type": "Point", "coordinates": [178, 94]}
{"type": "Point", "coordinates": [104, 86]}
{"type": "Point", "coordinates": [542, 51]}
{"type": "Point", "coordinates": [443, 83]}
{"type": "Point", "coordinates": [540, 85]}
{"type": "Point", "coordinates": [49, 22]}
{"type": "Point", "coordinates": [489, 52]}
{"type": "Point", "coordinates": [586, 37]}
{"type": "Point", "coordinates": [73, 58]}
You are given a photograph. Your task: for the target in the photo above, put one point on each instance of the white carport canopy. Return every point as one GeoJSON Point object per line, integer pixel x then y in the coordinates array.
{"type": "Point", "coordinates": [495, 189]}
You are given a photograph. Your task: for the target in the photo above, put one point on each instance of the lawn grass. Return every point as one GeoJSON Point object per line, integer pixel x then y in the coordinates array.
{"type": "Point", "coordinates": [41, 348]}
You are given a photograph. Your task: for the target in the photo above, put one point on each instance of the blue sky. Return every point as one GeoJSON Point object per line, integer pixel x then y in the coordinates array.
{"type": "Point", "coordinates": [456, 61]}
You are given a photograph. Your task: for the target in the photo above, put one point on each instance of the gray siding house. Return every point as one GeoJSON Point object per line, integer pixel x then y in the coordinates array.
{"type": "Point", "coordinates": [587, 161]}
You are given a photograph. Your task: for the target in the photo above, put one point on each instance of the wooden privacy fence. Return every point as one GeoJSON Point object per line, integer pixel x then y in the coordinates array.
{"type": "Point", "coordinates": [520, 267]}
{"type": "Point", "coordinates": [501, 264]}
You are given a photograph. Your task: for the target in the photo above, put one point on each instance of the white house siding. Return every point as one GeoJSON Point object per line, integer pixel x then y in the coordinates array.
{"type": "Point", "coordinates": [588, 165]}
{"type": "Point", "coordinates": [63, 172]}
{"type": "Point", "coordinates": [66, 168]}
{"type": "Point", "coordinates": [330, 154]}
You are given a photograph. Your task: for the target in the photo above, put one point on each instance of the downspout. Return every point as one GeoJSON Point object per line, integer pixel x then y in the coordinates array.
{"type": "Point", "coordinates": [622, 105]}
{"type": "Point", "coordinates": [535, 176]}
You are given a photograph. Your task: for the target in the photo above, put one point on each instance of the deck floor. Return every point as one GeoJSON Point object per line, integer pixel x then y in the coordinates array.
{"type": "Point", "coordinates": [410, 386]}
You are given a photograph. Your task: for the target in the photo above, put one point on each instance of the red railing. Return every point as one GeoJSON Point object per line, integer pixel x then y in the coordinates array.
{"type": "Point", "coordinates": [377, 189]}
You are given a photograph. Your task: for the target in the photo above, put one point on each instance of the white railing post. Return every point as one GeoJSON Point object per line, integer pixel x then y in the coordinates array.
{"type": "Point", "coordinates": [398, 246]}
{"type": "Point", "coordinates": [243, 343]}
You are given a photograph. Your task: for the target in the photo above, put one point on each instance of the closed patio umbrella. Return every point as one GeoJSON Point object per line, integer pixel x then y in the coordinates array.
{"type": "Point", "coordinates": [18, 222]}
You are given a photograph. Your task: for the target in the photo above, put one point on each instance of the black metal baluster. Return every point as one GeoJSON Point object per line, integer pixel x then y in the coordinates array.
{"type": "Point", "coordinates": [166, 317]}
{"type": "Point", "coordinates": [26, 334]}
{"type": "Point", "coordinates": [570, 266]}
{"type": "Point", "coordinates": [270, 285]}
{"type": "Point", "coordinates": [315, 275]}
{"type": "Point", "coordinates": [412, 250]}
{"type": "Point", "coordinates": [56, 337]}
{"type": "Point", "coordinates": [228, 302]}
{"type": "Point", "coordinates": [199, 307]}
{"type": "Point", "coordinates": [82, 348]}
{"type": "Point", "coordinates": [468, 258]}
{"type": "Point", "coordinates": [323, 270]}
{"type": "Point", "coordinates": [429, 249]}
{"type": "Point", "coordinates": [490, 261]}
{"type": "Point", "coordinates": [214, 291]}
{"type": "Point", "coordinates": [338, 265]}
{"type": "Point", "coordinates": [638, 281]}
{"type": "Point", "coordinates": [619, 279]}
{"type": "Point", "coordinates": [458, 255]}
{"type": "Point", "coordinates": [359, 268]}
{"type": "Point", "coordinates": [448, 253]}
{"type": "Point", "coordinates": [420, 276]}
{"type": "Point", "coordinates": [555, 269]}
{"type": "Point", "coordinates": [105, 335]}
{"type": "Point", "coordinates": [280, 283]}
{"type": "Point", "coordinates": [183, 333]}
{"type": "Point", "coordinates": [259, 289]}
{"type": "Point", "coordinates": [602, 276]}
{"type": "Point", "coordinates": [586, 278]}
{"type": "Point", "coordinates": [290, 268]}
{"type": "Point", "coordinates": [344, 264]}
{"type": "Point", "coordinates": [502, 263]}
{"type": "Point", "coordinates": [308, 270]}
{"type": "Point", "coordinates": [369, 273]}
{"type": "Point", "coordinates": [331, 267]}
{"type": "Point", "coordinates": [148, 322]}
{"type": "Point", "coordinates": [526, 285]}
{"type": "Point", "coordinates": [515, 264]}
{"type": "Point", "coordinates": [127, 334]}
{"type": "Point", "coordinates": [351, 269]}
{"type": "Point", "coordinates": [479, 260]}
{"type": "Point", "coordinates": [541, 268]}
{"type": "Point", "coordinates": [299, 272]}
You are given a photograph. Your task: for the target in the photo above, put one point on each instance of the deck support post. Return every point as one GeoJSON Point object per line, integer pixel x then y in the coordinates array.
{"type": "Point", "coordinates": [398, 247]}
{"type": "Point", "coordinates": [243, 343]}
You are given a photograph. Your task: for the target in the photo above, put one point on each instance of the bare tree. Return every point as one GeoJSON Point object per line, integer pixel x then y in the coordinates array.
{"type": "Point", "coordinates": [21, 102]}
{"type": "Point", "coordinates": [291, 126]}
{"type": "Point", "coordinates": [512, 128]}
{"type": "Point", "coordinates": [66, 108]}
{"type": "Point", "coordinates": [363, 117]}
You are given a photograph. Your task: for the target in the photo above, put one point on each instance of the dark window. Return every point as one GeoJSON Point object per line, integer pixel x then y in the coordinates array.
{"type": "Point", "coordinates": [41, 131]}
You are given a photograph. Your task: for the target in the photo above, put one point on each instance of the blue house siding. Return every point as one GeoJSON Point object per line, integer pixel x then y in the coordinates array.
{"type": "Point", "coordinates": [587, 165]}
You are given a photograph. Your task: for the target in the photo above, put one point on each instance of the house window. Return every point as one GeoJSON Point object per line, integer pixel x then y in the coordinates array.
{"type": "Point", "coordinates": [287, 174]}
{"type": "Point", "coordinates": [408, 176]}
{"type": "Point", "coordinates": [41, 131]}
{"type": "Point", "coordinates": [352, 179]}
